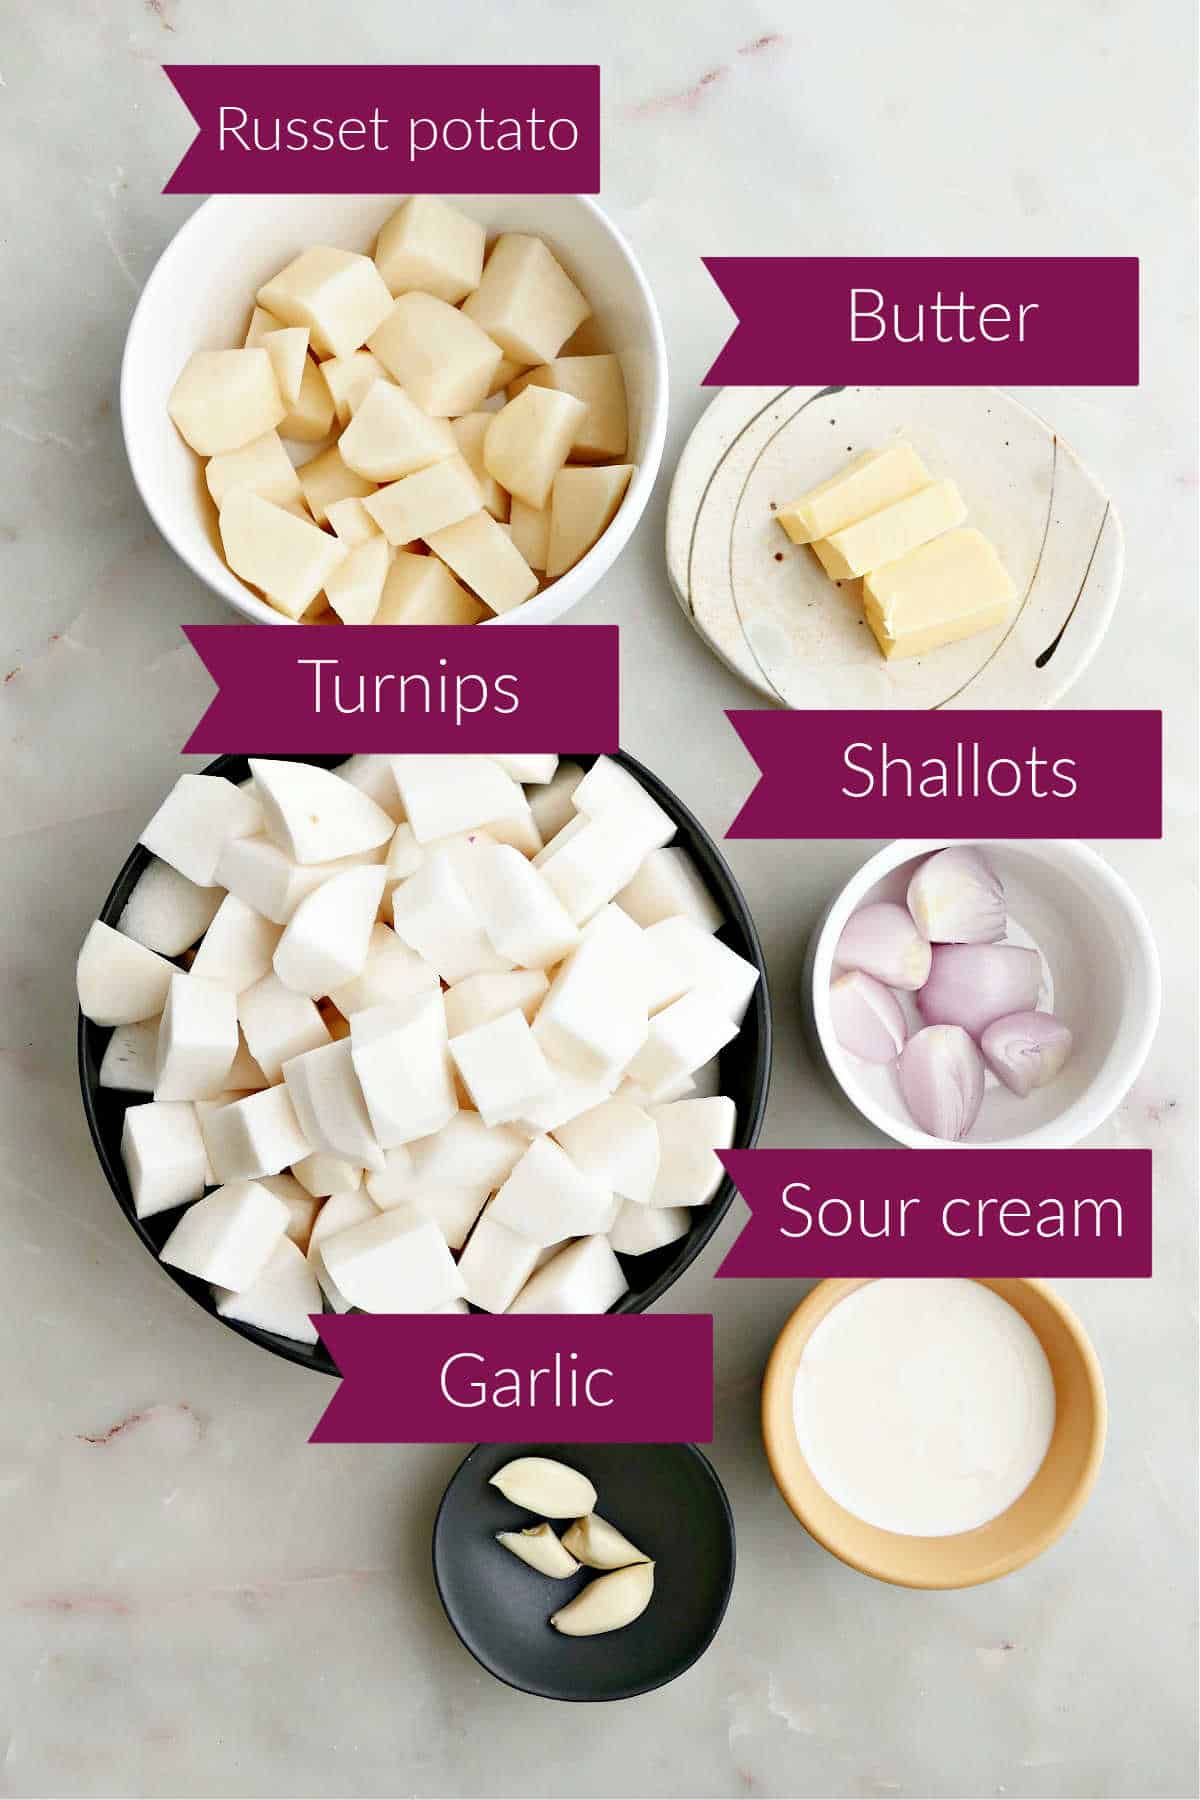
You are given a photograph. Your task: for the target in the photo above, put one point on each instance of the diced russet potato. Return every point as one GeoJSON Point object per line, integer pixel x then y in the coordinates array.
{"type": "Point", "coordinates": [311, 418]}
{"type": "Point", "coordinates": [349, 379]}
{"type": "Point", "coordinates": [287, 559]}
{"type": "Point", "coordinates": [528, 441]}
{"type": "Point", "coordinates": [420, 590]}
{"type": "Point", "coordinates": [390, 437]}
{"type": "Point", "coordinates": [603, 433]}
{"type": "Point", "coordinates": [431, 245]}
{"type": "Point", "coordinates": [526, 300]}
{"type": "Point", "coordinates": [355, 587]}
{"type": "Point", "coordinates": [583, 504]}
{"type": "Point", "coordinates": [261, 322]}
{"type": "Point", "coordinates": [425, 502]}
{"type": "Point", "coordinates": [529, 528]}
{"type": "Point", "coordinates": [351, 521]}
{"type": "Point", "coordinates": [263, 466]}
{"type": "Point", "coordinates": [339, 295]}
{"type": "Point", "coordinates": [481, 553]}
{"type": "Point", "coordinates": [469, 433]}
{"type": "Point", "coordinates": [325, 478]}
{"type": "Point", "coordinates": [224, 399]}
{"type": "Point", "coordinates": [288, 351]}
{"type": "Point", "coordinates": [442, 358]}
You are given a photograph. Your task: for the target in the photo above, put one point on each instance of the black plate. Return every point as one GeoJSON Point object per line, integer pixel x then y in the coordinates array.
{"type": "Point", "coordinates": [745, 1068]}
{"type": "Point", "coordinates": [666, 1498]}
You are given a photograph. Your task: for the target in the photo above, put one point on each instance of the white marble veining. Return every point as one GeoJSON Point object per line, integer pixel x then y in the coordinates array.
{"type": "Point", "coordinates": [192, 1601]}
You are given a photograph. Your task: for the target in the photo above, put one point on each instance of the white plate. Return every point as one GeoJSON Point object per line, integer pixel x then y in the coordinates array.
{"type": "Point", "coordinates": [769, 610]}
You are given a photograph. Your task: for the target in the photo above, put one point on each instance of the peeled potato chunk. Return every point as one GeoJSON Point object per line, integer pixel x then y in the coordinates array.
{"type": "Point", "coordinates": [529, 528]}
{"type": "Point", "coordinates": [325, 478]}
{"type": "Point", "coordinates": [583, 504]}
{"type": "Point", "coordinates": [420, 590]}
{"type": "Point", "coordinates": [311, 418]}
{"type": "Point", "coordinates": [469, 433]}
{"type": "Point", "coordinates": [350, 379]}
{"type": "Point", "coordinates": [528, 441]}
{"type": "Point", "coordinates": [225, 399]}
{"type": "Point", "coordinates": [424, 502]}
{"type": "Point", "coordinates": [442, 358]}
{"type": "Point", "coordinates": [288, 559]}
{"type": "Point", "coordinates": [355, 587]}
{"type": "Point", "coordinates": [389, 437]}
{"type": "Point", "coordinates": [430, 245]}
{"type": "Point", "coordinates": [482, 554]}
{"type": "Point", "coordinates": [603, 434]}
{"type": "Point", "coordinates": [351, 521]}
{"type": "Point", "coordinates": [263, 466]}
{"type": "Point", "coordinates": [526, 300]}
{"type": "Point", "coordinates": [338, 294]}
{"type": "Point", "coordinates": [288, 351]}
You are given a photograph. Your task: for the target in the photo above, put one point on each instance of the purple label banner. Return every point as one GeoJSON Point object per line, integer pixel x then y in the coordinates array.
{"type": "Point", "coordinates": [940, 320]}
{"type": "Point", "coordinates": [962, 774]}
{"type": "Point", "coordinates": [430, 1379]}
{"type": "Point", "coordinates": [371, 128]}
{"type": "Point", "coordinates": [422, 687]}
{"type": "Point", "coordinates": [942, 1212]}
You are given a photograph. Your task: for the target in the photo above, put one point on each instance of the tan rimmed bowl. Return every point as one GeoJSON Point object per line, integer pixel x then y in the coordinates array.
{"type": "Point", "coordinates": [1051, 1502]}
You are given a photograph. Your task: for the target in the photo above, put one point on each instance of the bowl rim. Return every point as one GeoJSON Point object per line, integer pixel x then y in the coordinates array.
{"type": "Point", "coordinates": [707, 1219]}
{"type": "Point", "coordinates": [632, 1690]}
{"type": "Point", "coordinates": [1085, 1114]}
{"type": "Point", "coordinates": [779, 1438]}
{"type": "Point", "coordinates": [580, 579]}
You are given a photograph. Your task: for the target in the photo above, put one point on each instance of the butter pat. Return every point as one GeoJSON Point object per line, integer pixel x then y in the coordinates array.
{"type": "Point", "coordinates": [874, 479]}
{"type": "Point", "coordinates": [892, 532]}
{"type": "Point", "coordinates": [947, 590]}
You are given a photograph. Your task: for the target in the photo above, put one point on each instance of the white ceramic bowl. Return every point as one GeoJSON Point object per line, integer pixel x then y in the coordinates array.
{"type": "Point", "coordinates": [1101, 977]}
{"type": "Point", "coordinates": [199, 296]}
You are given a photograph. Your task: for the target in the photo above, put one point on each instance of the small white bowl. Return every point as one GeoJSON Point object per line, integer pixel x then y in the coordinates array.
{"type": "Point", "coordinates": [1101, 977]}
{"type": "Point", "coordinates": [199, 297]}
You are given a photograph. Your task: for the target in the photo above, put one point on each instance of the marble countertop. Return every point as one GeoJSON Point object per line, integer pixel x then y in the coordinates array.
{"type": "Point", "coordinates": [192, 1601]}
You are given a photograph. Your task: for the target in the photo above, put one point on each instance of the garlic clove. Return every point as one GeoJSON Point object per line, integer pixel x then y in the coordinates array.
{"type": "Point", "coordinates": [599, 1545]}
{"type": "Point", "coordinates": [956, 897]}
{"type": "Point", "coordinates": [941, 1077]}
{"type": "Point", "coordinates": [974, 984]}
{"type": "Point", "coordinates": [883, 940]}
{"type": "Point", "coordinates": [607, 1603]}
{"type": "Point", "coordinates": [1026, 1049]}
{"type": "Point", "coordinates": [867, 1019]}
{"type": "Point", "coordinates": [539, 1546]}
{"type": "Point", "coordinates": [541, 1485]}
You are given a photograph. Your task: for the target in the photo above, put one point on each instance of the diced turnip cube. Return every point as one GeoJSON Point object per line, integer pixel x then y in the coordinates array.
{"type": "Point", "coordinates": [391, 973]}
{"type": "Point", "coordinates": [321, 1175]}
{"type": "Point", "coordinates": [453, 1209]}
{"type": "Point", "coordinates": [312, 816]}
{"type": "Point", "coordinates": [641, 1095]}
{"type": "Point", "coordinates": [130, 1058]}
{"type": "Point", "coordinates": [288, 558]}
{"type": "Point", "coordinates": [547, 1197]}
{"type": "Point", "coordinates": [689, 1131]}
{"type": "Point", "coordinates": [253, 1137]}
{"type": "Point", "coordinates": [238, 946]}
{"type": "Point", "coordinates": [245, 1075]}
{"type": "Point", "coordinates": [430, 245]}
{"type": "Point", "coordinates": [526, 300]}
{"type": "Point", "coordinates": [397, 1263]}
{"type": "Point", "coordinates": [373, 775]}
{"type": "Point", "coordinates": [691, 958]}
{"type": "Point", "coordinates": [590, 865]}
{"type": "Point", "coordinates": [603, 434]}
{"type": "Point", "coordinates": [229, 1236]}
{"type": "Point", "coordinates": [466, 1153]}
{"type": "Point", "coordinates": [302, 1207]}
{"type": "Point", "coordinates": [523, 916]}
{"type": "Point", "coordinates": [529, 529]}
{"type": "Point", "coordinates": [482, 554]}
{"type": "Point", "coordinates": [325, 942]}
{"type": "Point", "coordinates": [389, 436]}
{"type": "Point", "coordinates": [355, 588]}
{"type": "Point", "coordinates": [164, 1156]}
{"type": "Point", "coordinates": [496, 1264]}
{"type": "Point", "coordinates": [223, 399]}
{"type": "Point", "coordinates": [517, 829]}
{"type": "Point", "coordinates": [502, 1066]}
{"type": "Point", "coordinates": [329, 1104]}
{"type": "Point", "coordinates": [280, 1299]}
{"type": "Point", "coordinates": [616, 1144]}
{"type": "Point", "coordinates": [584, 1278]}
{"type": "Point", "coordinates": [118, 980]}
{"type": "Point", "coordinates": [325, 479]}
{"type": "Point", "coordinates": [438, 354]}
{"type": "Point", "coordinates": [447, 794]}
{"type": "Point", "coordinates": [553, 805]}
{"type": "Point", "coordinates": [681, 1037]}
{"type": "Point", "coordinates": [639, 1229]}
{"type": "Point", "coordinates": [339, 1213]}
{"type": "Point", "coordinates": [481, 998]}
{"type": "Point", "coordinates": [167, 912]}
{"type": "Point", "coordinates": [435, 914]}
{"type": "Point", "coordinates": [263, 466]}
{"type": "Point", "coordinates": [420, 590]}
{"type": "Point", "coordinates": [197, 1039]}
{"type": "Point", "coordinates": [403, 1066]}
{"type": "Point", "coordinates": [569, 1096]}
{"type": "Point", "coordinates": [608, 790]}
{"type": "Point", "coordinates": [593, 1020]}
{"type": "Point", "coordinates": [419, 505]}
{"type": "Point", "coordinates": [583, 504]}
{"type": "Point", "coordinates": [350, 379]}
{"type": "Point", "coordinates": [266, 879]}
{"type": "Point", "coordinates": [340, 296]}
{"type": "Point", "coordinates": [669, 885]}
{"type": "Point", "coordinates": [528, 441]}
{"type": "Point", "coordinates": [200, 815]}
{"type": "Point", "coordinates": [278, 1024]}
{"type": "Point", "coordinates": [538, 769]}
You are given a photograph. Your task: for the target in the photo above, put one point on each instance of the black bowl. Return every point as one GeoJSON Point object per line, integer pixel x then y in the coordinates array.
{"type": "Point", "coordinates": [745, 1067]}
{"type": "Point", "coordinates": [666, 1498]}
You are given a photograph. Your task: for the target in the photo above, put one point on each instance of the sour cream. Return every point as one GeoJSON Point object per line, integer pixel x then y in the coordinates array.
{"type": "Point", "coordinates": [924, 1407]}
